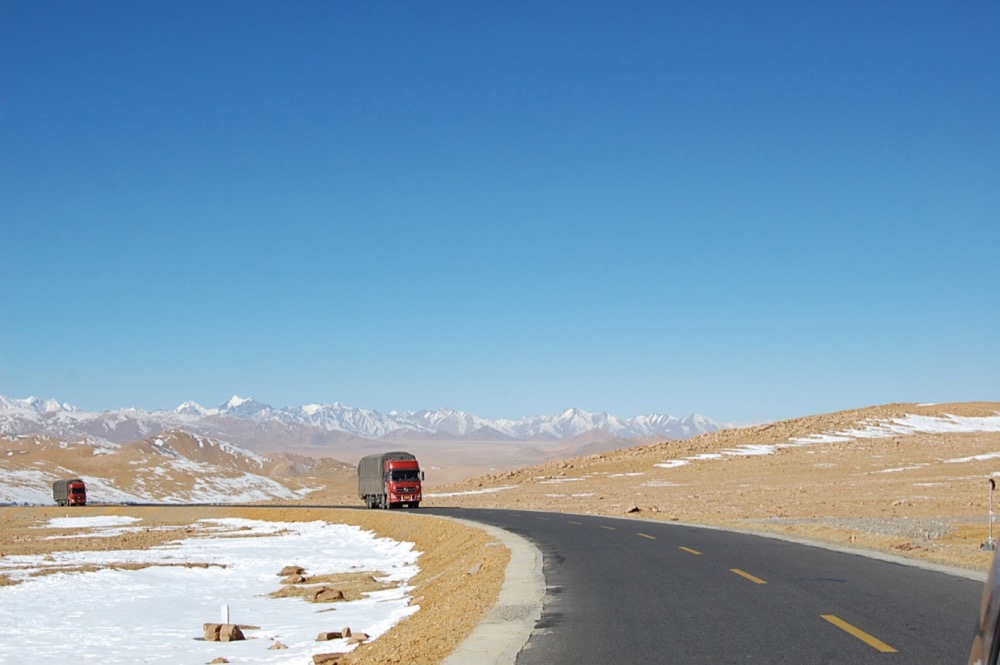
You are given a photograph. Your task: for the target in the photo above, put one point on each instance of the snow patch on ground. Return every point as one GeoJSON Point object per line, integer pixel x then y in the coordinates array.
{"type": "Point", "coordinates": [557, 481]}
{"type": "Point", "coordinates": [903, 468]}
{"type": "Point", "coordinates": [974, 458]}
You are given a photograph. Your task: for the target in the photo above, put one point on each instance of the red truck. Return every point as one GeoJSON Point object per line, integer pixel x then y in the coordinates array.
{"type": "Point", "coordinates": [71, 492]}
{"type": "Point", "coordinates": [390, 480]}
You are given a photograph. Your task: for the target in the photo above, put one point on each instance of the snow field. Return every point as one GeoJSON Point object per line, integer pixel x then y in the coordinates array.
{"type": "Point", "coordinates": [155, 614]}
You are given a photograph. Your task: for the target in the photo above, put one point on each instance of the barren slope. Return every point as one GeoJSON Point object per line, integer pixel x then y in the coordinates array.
{"type": "Point", "coordinates": [919, 494]}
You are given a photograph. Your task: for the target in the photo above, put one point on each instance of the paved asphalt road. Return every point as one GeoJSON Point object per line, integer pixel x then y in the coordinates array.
{"type": "Point", "coordinates": [622, 592]}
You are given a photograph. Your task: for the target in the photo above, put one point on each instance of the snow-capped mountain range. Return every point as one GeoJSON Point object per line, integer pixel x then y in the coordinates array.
{"type": "Point", "coordinates": [242, 419]}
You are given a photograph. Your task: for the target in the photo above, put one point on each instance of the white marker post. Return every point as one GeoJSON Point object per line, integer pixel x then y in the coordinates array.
{"type": "Point", "coordinates": [990, 544]}
{"type": "Point", "coordinates": [225, 614]}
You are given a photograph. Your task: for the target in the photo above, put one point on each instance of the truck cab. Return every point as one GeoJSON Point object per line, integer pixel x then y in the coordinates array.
{"type": "Point", "coordinates": [403, 482]}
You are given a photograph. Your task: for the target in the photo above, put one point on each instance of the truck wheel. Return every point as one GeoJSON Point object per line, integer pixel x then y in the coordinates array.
{"type": "Point", "coordinates": [415, 504]}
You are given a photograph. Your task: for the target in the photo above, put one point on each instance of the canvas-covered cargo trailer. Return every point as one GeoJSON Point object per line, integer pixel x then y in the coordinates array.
{"type": "Point", "coordinates": [390, 480]}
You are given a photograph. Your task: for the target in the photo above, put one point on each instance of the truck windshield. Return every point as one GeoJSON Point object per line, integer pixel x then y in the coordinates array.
{"type": "Point", "coordinates": [405, 474]}
{"type": "Point", "coordinates": [77, 490]}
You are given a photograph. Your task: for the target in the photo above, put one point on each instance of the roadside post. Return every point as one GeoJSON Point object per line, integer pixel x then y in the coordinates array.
{"type": "Point", "coordinates": [991, 544]}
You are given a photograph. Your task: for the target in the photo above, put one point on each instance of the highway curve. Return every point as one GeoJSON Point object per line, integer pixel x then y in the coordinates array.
{"type": "Point", "coordinates": [621, 592]}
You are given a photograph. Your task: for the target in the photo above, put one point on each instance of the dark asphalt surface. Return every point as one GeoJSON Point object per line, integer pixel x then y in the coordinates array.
{"type": "Point", "coordinates": [622, 592]}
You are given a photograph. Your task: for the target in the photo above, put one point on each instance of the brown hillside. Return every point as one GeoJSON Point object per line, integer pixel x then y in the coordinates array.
{"type": "Point", "coordinates": [918, 495]}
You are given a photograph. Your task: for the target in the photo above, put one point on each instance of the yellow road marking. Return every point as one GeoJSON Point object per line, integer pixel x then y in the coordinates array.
{"type": "Point", "coordinates": [741, 573]}
{"type": "Point", "coordinates": [646, 535]}
{"type": "Point", "coordinates": [690, 551]}
{"type": "Point", "coordinates": [609, 528]}
{"type": "Point", "coordinates": [858, 633]}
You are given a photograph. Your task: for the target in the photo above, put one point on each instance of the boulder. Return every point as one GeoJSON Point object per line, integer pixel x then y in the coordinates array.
{"type": "Point", "coordinates": [358, 638]}
{"type": "Point", "coordinates": [230, 632]}
{"type": "Point", "coordinates": [329, 635]}
{"type": "Point", "coordinates": [276, 646]}
{"type": "Point", "coordinates": [327, 595]}
{"type": "Point", "coordinates": [212, 631]}
{"type": "Point", "coordinates": [291, 570]}
{"type": "Point", "coordinates": [327, 658]}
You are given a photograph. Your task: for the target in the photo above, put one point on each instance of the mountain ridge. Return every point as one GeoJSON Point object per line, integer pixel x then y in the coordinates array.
{"type": "Point", "coordinates": [33, 415]}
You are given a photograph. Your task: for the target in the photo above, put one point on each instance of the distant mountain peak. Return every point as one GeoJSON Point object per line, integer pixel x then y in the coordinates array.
{"type": "Point", "coordinates": [44, 405]}
{"type": "Point", "coordinates": [236, 402]}
{"type": "Point", "coordinates": [194, 409]}
{"type": "Point", "coordinates": [243, 407]}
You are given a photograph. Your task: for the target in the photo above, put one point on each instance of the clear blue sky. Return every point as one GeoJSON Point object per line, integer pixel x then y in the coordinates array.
{"type": "Point", "coordinates": [749, 210]}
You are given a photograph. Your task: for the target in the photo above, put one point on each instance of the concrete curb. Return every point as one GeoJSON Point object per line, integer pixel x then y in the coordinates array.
{"type": "Point", "coordinates": [506, 628]}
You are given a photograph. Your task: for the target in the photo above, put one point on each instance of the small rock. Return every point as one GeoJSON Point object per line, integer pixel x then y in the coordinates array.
{"type": "Point", "coordinates": [358, 638]}
{"type": "Point", "coordinates": [327, 658]}
{"type": "Point", "coordinates": [276, 646]}
{"type": "Point", "coordinates": [220, 659]}
{"type": "Point", "coordinates": [329, 635]}
{"type": "Point", "coordinates": [346, 632]}
{"type": "Point", "coordinates": [294, 579]}
{"type": "Point", "coordinates": [291, 570]}
{"type": "Point", "coordinates": [633, 509]}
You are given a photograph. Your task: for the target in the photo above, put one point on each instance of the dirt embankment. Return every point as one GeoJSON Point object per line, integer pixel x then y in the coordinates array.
{"type": "Point", "coordinates": [461, 568]}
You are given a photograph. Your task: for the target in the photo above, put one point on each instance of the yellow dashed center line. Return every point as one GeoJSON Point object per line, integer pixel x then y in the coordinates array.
{"type": "Point", "coordinates": [741, 573]}
{"type": "Point", "coordinates": [870, 640]}
{"type": "Point", "coordinates": [690, 551]}
{"type": "Point", "coordinates": [645, 535]}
